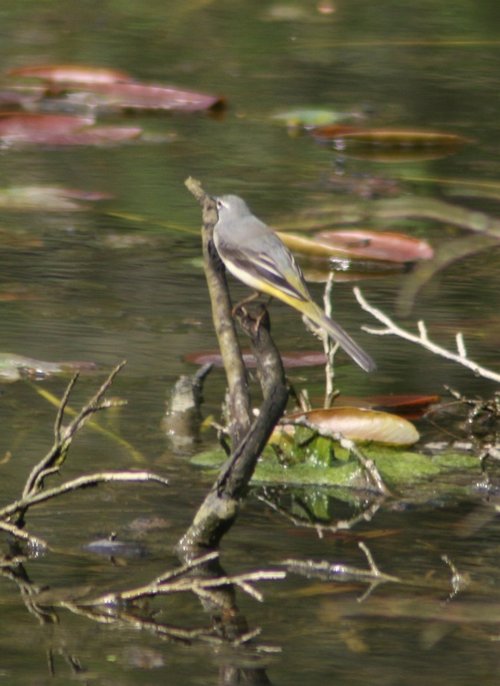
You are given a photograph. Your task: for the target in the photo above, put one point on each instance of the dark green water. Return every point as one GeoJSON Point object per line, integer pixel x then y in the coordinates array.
{"type": "Point", "coordinates": [93, 297]}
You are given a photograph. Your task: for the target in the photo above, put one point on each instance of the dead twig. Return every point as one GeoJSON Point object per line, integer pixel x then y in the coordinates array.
{"type": "Point", "coordinates": [422, 339]}
{"type": "Point", "coordinates": [63, 437]}
{"type": "Point", "coordinates": [343, 573]}
{"type": "Point", "coordinates": [87, 481]}
{"type": "Point", "coordinates": [34, 492]}
{"type": "Point", "coordinates": [178, 581]}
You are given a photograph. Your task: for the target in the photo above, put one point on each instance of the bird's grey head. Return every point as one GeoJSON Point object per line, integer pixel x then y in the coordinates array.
{"type": "Point", "coordinates": [231, 206]}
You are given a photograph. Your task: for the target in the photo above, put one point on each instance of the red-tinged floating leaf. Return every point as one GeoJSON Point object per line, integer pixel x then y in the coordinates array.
{"type": "Point", "coordinates": [358, 244]}
{"type": "Point", "coordinates": [388, 155]}
{"type": "Point", "coordinates": [96, 135]}
{"type": "Point", "coordinates": [391, 145]}
{"type": "Point", "coordinates": [411, 406]}
{"type": "Point", "coordinates": [378, 245]}
{"type": "Point", "coordinates": [291, 360]}
{"type": "Point", "coordinates": [403, 402]}
{"type": "Point", "coordinates": [390, 138]}
{"type": "Point", "coordinates": [154, 97]}
{"type": "Point", "coordinates": [359, 424]}
{"type": "Point", "coordinates": [28, 124]}
{"type": "Point", "coordinates": [71, 74]}
{"type": "Point", "coordinates": [333, 131]}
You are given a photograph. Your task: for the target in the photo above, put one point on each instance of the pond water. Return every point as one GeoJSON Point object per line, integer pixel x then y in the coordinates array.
{"type": "Point", "coordinates": [123, 280]}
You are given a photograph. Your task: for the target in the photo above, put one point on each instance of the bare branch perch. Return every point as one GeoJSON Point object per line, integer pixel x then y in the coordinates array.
{"type": "Point", "coordinates": [220, 507]}
{"type": "Point", "coordinates": [239, 400]}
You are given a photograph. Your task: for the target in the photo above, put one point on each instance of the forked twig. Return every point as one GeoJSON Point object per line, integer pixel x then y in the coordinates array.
{"type": "Point", "coordinates": [87, 481]}
{"type": "Point", "coordinates": [34, 492]}
{"type": "Point", "coordinates": [423, 339]}
{"type": "Point", "coordinates": [63, 437]}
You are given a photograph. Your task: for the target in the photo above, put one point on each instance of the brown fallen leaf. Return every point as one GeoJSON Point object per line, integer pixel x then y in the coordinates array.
{"type": "Point", "coordinates": [359, 424]}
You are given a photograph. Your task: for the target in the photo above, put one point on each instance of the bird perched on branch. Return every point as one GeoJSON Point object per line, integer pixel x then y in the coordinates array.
{"type": "Point", "coordinates": [255, 255]}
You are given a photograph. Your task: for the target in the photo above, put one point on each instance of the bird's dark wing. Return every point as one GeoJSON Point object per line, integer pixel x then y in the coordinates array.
{"type": "Point", "coordinates": [262, 268]}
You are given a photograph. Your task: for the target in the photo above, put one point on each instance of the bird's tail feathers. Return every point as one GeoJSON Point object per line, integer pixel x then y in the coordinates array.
{"type": "Point", "coordinates": [337, 333]}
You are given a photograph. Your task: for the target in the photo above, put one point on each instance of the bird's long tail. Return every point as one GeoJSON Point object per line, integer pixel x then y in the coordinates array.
{"type": "Point", "coordinates": [337, 333]}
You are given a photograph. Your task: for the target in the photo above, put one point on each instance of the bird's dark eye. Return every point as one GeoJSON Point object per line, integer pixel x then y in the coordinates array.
{"type": "Point", "coordinates": [219, 204]}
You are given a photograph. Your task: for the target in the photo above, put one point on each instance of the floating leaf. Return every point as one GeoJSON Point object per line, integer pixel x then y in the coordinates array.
{"type": "Point", "coordinates": [310, 247]}
{"type": "Point", "coordinates": [60, 129]}
{"type": "Point", "coordinates": [29, 124]}
{"type": "Point", "coordinates": [390, 145]}
{"type": "Point", "coordinates": [14, 367]}
{"type": "Point", "coordinates": [391, 138]}
{"type": "Point", "coordinates": [116, 89]}
{"type": "Point", "coordinates": [95, 135]}
{"type": "Point", "coordinates": [378, 245]}
{"type": "Point", "coordinates": [153, 97]}
{"type": "Point", "coordinates": [310, 117]}
{"type": "Point", "coordinates": [98, 135]}
{"type": "Point", "coordinates": [71, 74]}
{"type": "Point", "coordinates": [412, 406]}
{"type": "Point", "coordinates": [360, 424]}
{"type": "Point", "coordinates": [301, 358]}
{"type": "Point", "coordinates": [46, 198]}
{"type": "Point", "coordinates": [348, 264]}
{"type": "Point", "coordinates": [394, 155]}
{"type": "Point", "coordinates": [387, 246]}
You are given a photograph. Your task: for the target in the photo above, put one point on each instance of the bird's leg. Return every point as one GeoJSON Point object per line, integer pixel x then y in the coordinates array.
{"type": "Point", "coordinates": [264, 314]}
{"type": "Point", "coordinates": [241, 305]}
